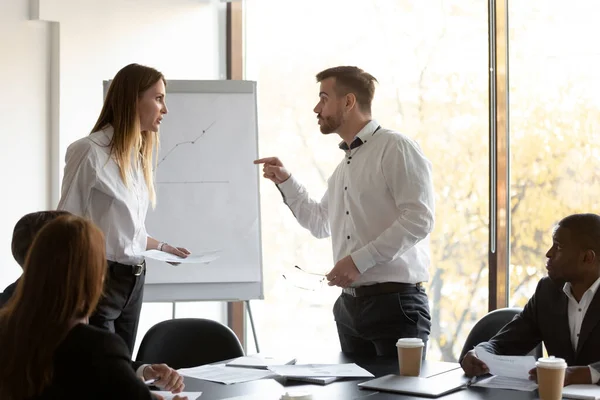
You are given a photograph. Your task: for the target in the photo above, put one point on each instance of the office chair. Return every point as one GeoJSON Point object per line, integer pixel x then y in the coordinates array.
{"type": "Point", "coordinates": [489, 325]}
{"type": "Point", "coordinates": [189, 342]}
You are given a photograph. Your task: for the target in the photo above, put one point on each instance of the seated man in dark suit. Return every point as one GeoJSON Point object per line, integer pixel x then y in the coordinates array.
{"type": "Point", "coordinates": [23, 234]}
{"type": "Point", "coordinates": [564, 311]}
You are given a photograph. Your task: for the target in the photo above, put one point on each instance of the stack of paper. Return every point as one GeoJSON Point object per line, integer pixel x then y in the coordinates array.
{"type": "Point", "coordinates": [321, 370]}
{"type": "Point", "coordinates": [260, 361]}
{"type": "Point", "coordinates": [510, 372]}
{"type": "Point", "coordinates": [169, 395]}
{"type": "Point", "coordinates": [203, 257]}
{"type": "Point", "coordinates": [321, 380]}
{"type": "Point", "coordinates": [222, 374]}
{"type": "Point", "coordinates": [584, 392]}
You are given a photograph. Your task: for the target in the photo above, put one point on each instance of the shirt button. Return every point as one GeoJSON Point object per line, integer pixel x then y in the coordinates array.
{"type": "Point", "coordinates": [349, 158]}
{"type": "Point", "coordinates": [348, 162]}
{"type": "Point", "coordinates": [348, 212]}
{"type": "Point", "coordinates": [348, 237]}
{"type": "Point", "coordinates": [346, 188]}
{"type": "Point", "coordinates": [580, 310]}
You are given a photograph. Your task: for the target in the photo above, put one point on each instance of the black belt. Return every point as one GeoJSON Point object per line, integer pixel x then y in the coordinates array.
{"type": "Point", "coordinates": [126, 269]}
{"type": "Point", "coordinates": [383, 288]}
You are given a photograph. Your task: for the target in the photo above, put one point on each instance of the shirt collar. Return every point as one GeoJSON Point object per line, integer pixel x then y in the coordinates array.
{"type": "Point", "coordinates": [367, 131]}
{"type": "Point", "coordinates": [593, 289]}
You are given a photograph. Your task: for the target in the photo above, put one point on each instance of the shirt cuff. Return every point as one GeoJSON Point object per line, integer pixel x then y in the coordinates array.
{"type": "Point", "coordinates": [140, 371]}
{"type": "Point", "coordinates": [363, 259]}
{"type": "Point", "coordinates": [595, 374]}
{"type": "Point", "coordinates": [290, 187]}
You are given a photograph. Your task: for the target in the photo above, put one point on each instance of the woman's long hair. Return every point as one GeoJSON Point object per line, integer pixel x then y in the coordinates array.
{"type": "Point", "coordinates": [62, 282]}
{"type": "Point", "coordinates": [129, 142]}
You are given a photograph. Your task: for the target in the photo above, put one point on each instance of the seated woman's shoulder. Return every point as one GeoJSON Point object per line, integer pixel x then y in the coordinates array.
{"type": "Point", "coordinates": [91, 339]}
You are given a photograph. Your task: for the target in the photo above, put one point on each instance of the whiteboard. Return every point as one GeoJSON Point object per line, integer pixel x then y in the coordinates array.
{"type": "Point", "coordinates": [208, 193]}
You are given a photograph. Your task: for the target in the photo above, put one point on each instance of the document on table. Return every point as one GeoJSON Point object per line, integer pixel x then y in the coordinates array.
{"type": "Point", "coordinates": [260, 361]}
{"type": "Point", "coordinates": [198, 258]}
{"type": "Point", "coordinates": [320, 370]}
{"type": "Point", "coordinates": [222, 374]}
{"type": "Point", "coordinates": [585, 392]}
{"type": "Point", "coordinates": [170, 396]}
{"type": "Point", "coordinates": [517, 367]}
{"type": "Point", "coordinates": [501, 382]}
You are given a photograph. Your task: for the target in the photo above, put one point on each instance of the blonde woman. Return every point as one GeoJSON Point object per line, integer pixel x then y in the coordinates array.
{"type": "Point", "coordinates": [109, 179]}
{"type": "Point", "coordinates": [48, 350]}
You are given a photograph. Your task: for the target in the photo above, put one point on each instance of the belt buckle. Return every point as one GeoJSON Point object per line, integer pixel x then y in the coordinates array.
{"type": "Point", "coordinates": [137, 269]}
{"type": "Point", "coordinates": [351, 291]}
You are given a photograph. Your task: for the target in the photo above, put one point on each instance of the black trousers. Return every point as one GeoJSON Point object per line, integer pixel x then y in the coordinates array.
{"type": "Point", "coordinates": [119, 308]}
{"type": "Point", "coordinates": [371, 325]}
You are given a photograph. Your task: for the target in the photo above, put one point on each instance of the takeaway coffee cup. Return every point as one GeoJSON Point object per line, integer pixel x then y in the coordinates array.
{"type": "Point", "coordinates": [410, 352]}
{"type": "Point", "coordinates": [550, 377]}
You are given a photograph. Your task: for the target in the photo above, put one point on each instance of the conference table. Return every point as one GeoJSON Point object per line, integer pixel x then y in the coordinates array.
{"type": "Point", "coordinates": [345, 389]}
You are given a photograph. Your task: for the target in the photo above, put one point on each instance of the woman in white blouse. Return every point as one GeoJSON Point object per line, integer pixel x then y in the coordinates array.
{"type": "Point", "coordinates": [109, 179]}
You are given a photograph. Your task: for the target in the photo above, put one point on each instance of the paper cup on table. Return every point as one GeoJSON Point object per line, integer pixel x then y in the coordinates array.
{"type": "Point", "coordinates": [410, 352]}
{"type": "Point", "coordinates": [550, 377]}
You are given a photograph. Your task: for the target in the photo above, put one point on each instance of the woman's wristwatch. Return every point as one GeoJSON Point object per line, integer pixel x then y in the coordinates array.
{"type": "Point", "coordinates": [161, 245]}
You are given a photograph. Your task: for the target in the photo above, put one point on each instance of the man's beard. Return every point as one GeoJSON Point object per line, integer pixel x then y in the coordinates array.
{"type": "Point", "coordinates": [330, 124]}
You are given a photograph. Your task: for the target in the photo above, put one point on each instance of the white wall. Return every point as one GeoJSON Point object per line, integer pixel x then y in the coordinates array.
{"type": "Point", "coordinates": [24, 116]}
{"type": "Point", "coordinates": [184, 39]}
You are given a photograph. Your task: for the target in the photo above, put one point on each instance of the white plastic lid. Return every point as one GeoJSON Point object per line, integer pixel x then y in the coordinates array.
{"type": "Point", "coordinates": [551, 362]}
{"type": "Point", "coordinates": [297, 396]}
{"type": "Point", "coordinates": [409, 342]}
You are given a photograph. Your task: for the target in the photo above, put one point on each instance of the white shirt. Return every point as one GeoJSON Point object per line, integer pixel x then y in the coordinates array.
{"type": "Point", "coordinates": [576, 312]}
{"type": "Point", "coordinates": [92, 187]}
{"type": "Point", "coordinates": [378, 208]}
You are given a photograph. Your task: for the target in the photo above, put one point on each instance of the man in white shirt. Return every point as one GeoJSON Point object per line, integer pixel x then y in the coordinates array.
{"type": "Point", "coordinates": [564, 311]}
{"type": "Point", "coordinates": [379, 211]}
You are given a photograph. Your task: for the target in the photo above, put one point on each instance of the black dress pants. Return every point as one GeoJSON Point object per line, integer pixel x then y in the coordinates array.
{"type": "Point", "coordinates": [119, 308]}
{"type": "Point", "coordinates": [371, 325]}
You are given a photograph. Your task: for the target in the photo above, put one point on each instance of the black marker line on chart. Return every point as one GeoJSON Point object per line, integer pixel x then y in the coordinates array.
{"type": "Point", "coordinates": [186, 142]}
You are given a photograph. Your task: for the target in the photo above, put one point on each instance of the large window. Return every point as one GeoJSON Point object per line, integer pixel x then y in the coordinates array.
{"type": "Point", "coordinates": [431, 60]}
{"type": "Point", "coordinates": [554, 127]}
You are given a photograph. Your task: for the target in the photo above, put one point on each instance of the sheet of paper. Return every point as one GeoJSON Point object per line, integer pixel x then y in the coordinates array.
{"type": "Point", "coordinates": [170, 396]}
{"type": "Point", "coordinates": [198, 258]}
{"type": "Point", "coordinates": [338, 370]}
{"type": "Point", "coordinates": [227, 375]}
{"type": "Point", "coordinates": [260, 361]}
{"type": "Point", "coordinates": [507, 366]}
{"type": "Point", "coordinates": [585, 392]}
{"type": "Point", "coordinates": [502, 382]}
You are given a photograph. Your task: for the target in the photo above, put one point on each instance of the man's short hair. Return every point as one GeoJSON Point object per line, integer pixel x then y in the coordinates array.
{"type": "Point", "coordinates": [352, 80]}
{"type": "Point", "coordinates": [585, 229]}
{"type": "Point", "coordinates": [26, 229]}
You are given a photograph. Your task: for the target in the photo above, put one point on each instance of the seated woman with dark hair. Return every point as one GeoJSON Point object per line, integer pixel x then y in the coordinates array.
{"type": "Point", "coordinates": [48, 350]}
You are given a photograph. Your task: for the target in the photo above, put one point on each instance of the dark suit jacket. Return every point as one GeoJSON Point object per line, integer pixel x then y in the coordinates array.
{"type": "Point", "coordinates": [545, 318]}
{"type": "Point", "coordinates": [8, 292]}
{"type": "Point", "coordinates": [94, 364]}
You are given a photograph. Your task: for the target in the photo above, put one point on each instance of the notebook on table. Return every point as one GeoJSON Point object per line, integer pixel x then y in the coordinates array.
{"type": "Point", "coordinates": [436, 386]}
{"type": "Point", "coordinates": [585, 392]}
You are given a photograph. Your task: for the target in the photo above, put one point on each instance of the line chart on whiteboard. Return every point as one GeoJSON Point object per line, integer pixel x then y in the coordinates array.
{"type": "Point", "coordinates": [171, 153]}
{"type": "Point", "coordinates": [190, 142]}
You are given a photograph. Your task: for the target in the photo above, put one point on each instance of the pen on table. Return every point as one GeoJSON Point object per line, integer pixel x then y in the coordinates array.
{"type": "Point", "coordinates": [150, 381]}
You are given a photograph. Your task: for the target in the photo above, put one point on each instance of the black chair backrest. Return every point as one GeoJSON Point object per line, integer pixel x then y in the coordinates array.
{"type": "Point", "coordinates": [189, 342]}
{"type": "Point", "coordinates": [491, 324]}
